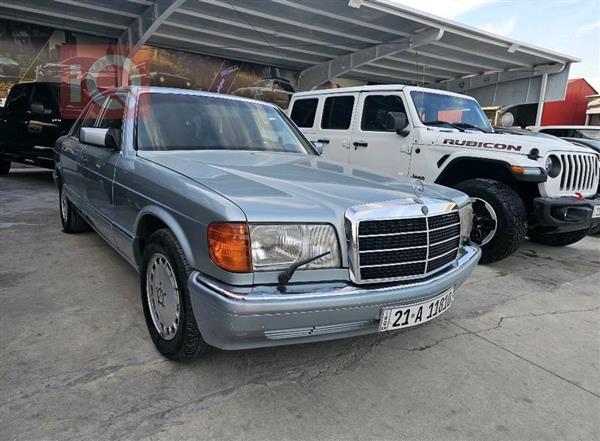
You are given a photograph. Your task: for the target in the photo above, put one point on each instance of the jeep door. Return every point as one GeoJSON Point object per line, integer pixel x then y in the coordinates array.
{"type": "Point", "coordinates": [98, 165]}
{"type": "Point", "coordinates": [373, 145]}
{"type": "Point", "coordinates": [335, 126]}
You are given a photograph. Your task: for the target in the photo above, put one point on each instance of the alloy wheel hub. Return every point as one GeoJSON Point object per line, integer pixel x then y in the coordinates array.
{"type": "Point", "coordinates": [485, 222]}
{"type": "Point", "coordinates": [163, 296]}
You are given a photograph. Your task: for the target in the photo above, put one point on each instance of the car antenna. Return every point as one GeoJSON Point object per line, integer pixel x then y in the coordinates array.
{"type": "Point", "coordinates": [284, 277]}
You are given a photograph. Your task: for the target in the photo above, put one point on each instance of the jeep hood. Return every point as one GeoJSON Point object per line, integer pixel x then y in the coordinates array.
{"type": "Point", "coordinates": [289, 187]}
{"type": "Point", "coordinates": [500, 142]}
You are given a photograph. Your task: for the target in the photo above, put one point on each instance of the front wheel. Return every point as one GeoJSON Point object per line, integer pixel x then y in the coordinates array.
{"type": "Point", "coordinates": [4, 167]}
{"type": "Point", "coordinates": [557, 239]}
{"type": "Point", "coordinates": [499, 218]}
{"type": "Point", "coordinates": [166, 299]}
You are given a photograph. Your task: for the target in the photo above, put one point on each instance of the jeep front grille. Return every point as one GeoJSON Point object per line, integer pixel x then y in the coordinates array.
{"type": "Point", "coordinates": [579, 172]}
{"type": "Point", "coordinates": [405, 249]}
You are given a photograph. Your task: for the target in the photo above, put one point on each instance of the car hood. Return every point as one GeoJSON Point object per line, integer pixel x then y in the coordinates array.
{"type": "Point", "coordinates": [500, 142]}
{"type": "Point", "coordinates": [286, 187]}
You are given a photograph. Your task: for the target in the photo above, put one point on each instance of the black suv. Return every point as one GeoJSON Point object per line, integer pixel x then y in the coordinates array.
{"type": "Point", "coordinates": [31, 122]}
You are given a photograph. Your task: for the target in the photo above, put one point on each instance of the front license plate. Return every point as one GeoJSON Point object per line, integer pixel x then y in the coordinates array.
{"type": "Point", "coordinates": [596, 212]}
{"type": "Point", "coordinates": [411, 315]}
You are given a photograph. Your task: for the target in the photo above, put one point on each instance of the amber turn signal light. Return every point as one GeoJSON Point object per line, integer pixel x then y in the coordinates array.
{"type": "Point", "coordinates": [229, 246]}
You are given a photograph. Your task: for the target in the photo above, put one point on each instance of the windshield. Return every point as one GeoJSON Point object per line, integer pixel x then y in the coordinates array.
{"type": "Point", "coordinates": [200, 122]}
{"type": "Point", "coordinates": [439, 110]}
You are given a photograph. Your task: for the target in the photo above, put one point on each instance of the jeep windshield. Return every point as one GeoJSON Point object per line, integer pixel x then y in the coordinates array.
{"type": "Point", "coordinates": [436, 109]}
{"type": "Point", "coordinates": [170, 121]}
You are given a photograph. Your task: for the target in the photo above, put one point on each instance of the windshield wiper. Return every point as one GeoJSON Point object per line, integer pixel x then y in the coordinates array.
{"type": "Point", "coordinates": [285, 276]}
{"type": "Point", "coordinates": [470, 126]}
{"type": "Point", "coordinates": [446, 123]}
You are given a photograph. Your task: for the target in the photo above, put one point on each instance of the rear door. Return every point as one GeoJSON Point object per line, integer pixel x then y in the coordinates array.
{"type": "Point", "coordinates": [16, 117]}
{"type": "Point", "coordinates": [44, 123]}
{"type": "Point", "coordinates": [335, 125]}
{"type": "Point", "coordinates": [372, 145]}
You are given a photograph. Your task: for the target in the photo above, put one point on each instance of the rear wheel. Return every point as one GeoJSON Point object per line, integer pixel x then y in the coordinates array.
{"type": "Point", "coordinates": [4, 167]}
{"type": "Point", "coordinates": [72, 222]}
{"type": "Point", "coordinates": [166, 299]}
{"type": "Point", "coordinates": [499, 218]}
{"type": "Point", "coordinates": [557, 239]}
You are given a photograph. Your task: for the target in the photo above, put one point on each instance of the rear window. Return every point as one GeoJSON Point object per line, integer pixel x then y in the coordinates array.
{"type": "Point", "coordinates": [304, 112]}
{"type": "Point", "coordinates": [337, 113]}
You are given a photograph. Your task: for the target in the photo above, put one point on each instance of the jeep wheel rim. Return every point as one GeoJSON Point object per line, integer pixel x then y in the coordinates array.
{"type": "Point", "coordinates": [64, 206]}
{"type": "Point", "coordinates": [485, 222]}
{"type": "Point", "coordinates": [163, 296]}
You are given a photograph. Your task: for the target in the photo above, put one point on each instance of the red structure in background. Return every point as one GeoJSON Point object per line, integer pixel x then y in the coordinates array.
{"type": "Point", "coordinates": [571, 111]}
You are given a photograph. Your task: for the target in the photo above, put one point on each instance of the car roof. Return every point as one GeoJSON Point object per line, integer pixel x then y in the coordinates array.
{"type": "Point", "coordinates": [378, 88]}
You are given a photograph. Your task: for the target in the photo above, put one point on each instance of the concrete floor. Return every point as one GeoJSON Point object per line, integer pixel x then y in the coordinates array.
{"type": "Point", "coordinates": [516, 358]}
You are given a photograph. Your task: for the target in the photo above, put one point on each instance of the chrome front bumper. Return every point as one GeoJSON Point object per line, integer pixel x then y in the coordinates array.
{"type": "Point", "coordinates": [236, 318]}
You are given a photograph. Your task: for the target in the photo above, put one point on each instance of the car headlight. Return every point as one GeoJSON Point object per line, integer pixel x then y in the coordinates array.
{"type": "Point", "coordinates": [553, 166]}
{"type": "Point", "coordinates": [466, 222]}
{"type": "Point", "coordinates": [277, 246]}
{"type": "Point", "coordinates": [241, 247]}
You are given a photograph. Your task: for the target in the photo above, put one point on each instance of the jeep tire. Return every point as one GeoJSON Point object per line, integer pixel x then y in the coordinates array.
{"type": "Point", "coordinates": [502, 236]}
{"type": "Point", "coordinates": [557, 239]}
{"type": "Point", "coordinates": [166, 299]}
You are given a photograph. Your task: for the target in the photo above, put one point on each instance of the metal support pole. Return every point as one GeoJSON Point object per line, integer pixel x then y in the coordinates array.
{"type": "Point", "coordinates": [540, 110]}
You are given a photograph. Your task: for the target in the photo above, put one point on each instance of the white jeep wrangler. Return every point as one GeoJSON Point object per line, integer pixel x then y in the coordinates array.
{"type": "Point", "coordinates": [535, 186]}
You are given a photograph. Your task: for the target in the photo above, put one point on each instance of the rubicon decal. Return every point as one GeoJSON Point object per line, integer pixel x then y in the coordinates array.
{"type": "Point", "coordinates": [485, 145]}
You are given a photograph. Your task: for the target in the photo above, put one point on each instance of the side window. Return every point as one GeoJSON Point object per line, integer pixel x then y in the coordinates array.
{"type": "Point", "coordinates": [18, 100]}
{"type": "Point", "coordinates": [304, 112]}
{"type": "Point", "coordinates": [112, 115]}
{"type": "Point", "coordinates": [88, 116]}
{"type": "Point", "coordinates": [44, 95]}
{"type": "Point", "coordinates": [375, 110]}
{"type": "Point", "coordinates": [337, 113]}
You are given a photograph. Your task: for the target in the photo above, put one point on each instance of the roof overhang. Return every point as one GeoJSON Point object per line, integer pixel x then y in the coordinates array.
{"type": "Point", "coordinates": [371, 40]}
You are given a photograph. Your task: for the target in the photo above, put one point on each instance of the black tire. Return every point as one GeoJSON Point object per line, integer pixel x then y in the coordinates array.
{"type": "Point", "coordinates": [557, 239]}
{"type": "Point", "coordinates": [4, 167]}
{"type": "Point", "coordinates": [72, 221]}
{"type": "Point", "coordinates": [595, 231]}
{"type": "Point", "coordinates": [511, 222]}
{"type": "Point", "coordinates": [187, 342]}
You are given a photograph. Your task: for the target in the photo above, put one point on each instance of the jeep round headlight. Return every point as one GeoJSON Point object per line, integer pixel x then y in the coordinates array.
{"type": "Point", "coordinates": [277, 246]}
{"type": "Point", "coordinates": [466, 221]}
{"type": "Point", "coordinates": [553, 166]}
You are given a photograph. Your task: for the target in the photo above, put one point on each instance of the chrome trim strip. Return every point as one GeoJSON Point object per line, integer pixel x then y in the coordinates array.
{"type": "Point", "coordinates": [408, 232]}
{"type": "Point", "coordinates": [470, 252]}
{"type": "Point", "coordinates": [383, 250]}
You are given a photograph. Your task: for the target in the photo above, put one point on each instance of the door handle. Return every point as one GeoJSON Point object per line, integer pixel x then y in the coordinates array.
{"type": "Point", "coordinates": [323, 141]}
{"type": "Point", "coordinates": [358, 144]}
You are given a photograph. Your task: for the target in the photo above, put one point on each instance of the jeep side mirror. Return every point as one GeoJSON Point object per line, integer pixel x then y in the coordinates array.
{"type": "Point", "coordinates": [100, 137]}
{"type": "Point", "coordinates": [319, 146]}
{"type": "Point", "coordinates": [398, 122]}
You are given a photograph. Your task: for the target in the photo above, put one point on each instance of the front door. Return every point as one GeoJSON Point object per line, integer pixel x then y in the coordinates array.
{"type": "Point", "coordinates": [16, 118]}
{"type": "Point", "coordinates": [372, 145]}
{"type": "Point", "coordinates": [99, 164]}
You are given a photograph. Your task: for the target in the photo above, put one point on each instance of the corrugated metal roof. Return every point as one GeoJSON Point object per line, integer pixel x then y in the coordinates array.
{"type": "Point", "coordinates": [301, 34]}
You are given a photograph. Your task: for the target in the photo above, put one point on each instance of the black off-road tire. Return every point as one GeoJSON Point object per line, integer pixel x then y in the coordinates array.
{"type": "Point", "coordinates": [511, 224]}
{"type": "Point", "coordinates": [557, 239]}
{"type": "Point", "coordinates": [72, 221]}
{"type": "Point", "coordinates": [187, 342]}
{"type": "Point", "coordinates": [4, 167]}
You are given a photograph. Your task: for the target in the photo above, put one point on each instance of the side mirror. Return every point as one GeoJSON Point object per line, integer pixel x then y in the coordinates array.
{"type": "Point", "coordinates": [113, 139]}
{"type": "Point", "coordinates": [398, 122]}
{"type": "Point", "coordinates": [319, 146]}
{"type": "Point", "coordinates": [39, 109]}
{"type": "Point", "coordinates": [98, 137]}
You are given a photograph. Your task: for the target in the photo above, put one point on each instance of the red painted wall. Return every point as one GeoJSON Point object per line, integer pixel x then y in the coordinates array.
{"type": "Point", "coordinates": [571, 111]}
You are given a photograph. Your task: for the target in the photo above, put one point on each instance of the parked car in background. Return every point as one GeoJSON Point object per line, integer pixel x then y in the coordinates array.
{"type": "Point", "coordinates": [9, 69]}
{"type": "Point", "coordinates": [244, 236]}
{"type": "Point", "coordinates": [520, 185]}
{"type": "Point", "coordinates": [31, 122]}
{"type": "Point", "coordinates": [583, 132]}
{"type": "Point", "coordinates": [272, 90]}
